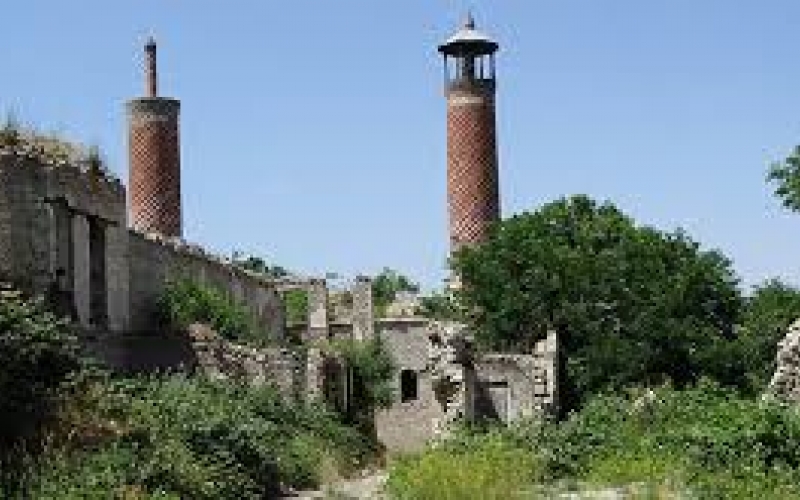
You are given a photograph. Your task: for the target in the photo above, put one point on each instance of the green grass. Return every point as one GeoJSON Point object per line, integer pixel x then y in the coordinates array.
{"type": "Point", "coordinates": [491, 469]}
{"type": "Point", "coordinates": [705, 442]}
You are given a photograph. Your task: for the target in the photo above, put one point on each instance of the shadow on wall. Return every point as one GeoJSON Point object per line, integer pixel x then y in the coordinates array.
{"type": "Point", "coordinates": [132, 354]}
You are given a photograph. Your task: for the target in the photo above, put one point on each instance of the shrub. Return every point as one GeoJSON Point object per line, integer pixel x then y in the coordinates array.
{"type": "Point", "coordinates": [186, 301]}
{"type": "Point", "coordinates": [38, 357]}
{"type": "Point", "coordinates": [296, 302]}
{"type": "Point", "coordinates": [706, 440]}
{"type": "Point", "coordinates": [491, 468]}
{"type": "Point", "coordinates": [371, 375]}
{"type": "Point", "coordinates": [184, 437]}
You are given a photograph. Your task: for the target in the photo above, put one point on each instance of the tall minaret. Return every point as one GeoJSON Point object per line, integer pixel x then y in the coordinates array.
{"type": "Point", "coordinates": [154, 186]}
{"type": "Point", "coordinates": [473, 195]}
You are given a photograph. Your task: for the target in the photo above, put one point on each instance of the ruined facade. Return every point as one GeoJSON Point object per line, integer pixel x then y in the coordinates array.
{"type": "Point", "coordinates": [72, 232]}
{"type": "Point", "coordinates": [63, 226]}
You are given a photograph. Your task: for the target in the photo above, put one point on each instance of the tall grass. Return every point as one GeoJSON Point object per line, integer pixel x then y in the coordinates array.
{"type": "Point", "coordinates": [705, 442]}
{"type": "Point", "coordinates": [185, 437]}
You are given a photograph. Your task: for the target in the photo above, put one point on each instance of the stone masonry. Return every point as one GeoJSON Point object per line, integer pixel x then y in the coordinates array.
{"type": "Point", "coordinates": [785, 383]}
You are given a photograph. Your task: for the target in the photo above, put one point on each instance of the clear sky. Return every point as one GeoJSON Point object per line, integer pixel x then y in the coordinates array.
{"type": "Point", "coordinates": [313, 132]}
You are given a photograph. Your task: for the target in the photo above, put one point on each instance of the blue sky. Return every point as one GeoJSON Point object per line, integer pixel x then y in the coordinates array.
{"type": "Point", "coordinates": [313, 132]}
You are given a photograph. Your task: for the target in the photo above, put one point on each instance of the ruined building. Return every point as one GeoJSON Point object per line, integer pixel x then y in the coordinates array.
{"type": "Point", "coordinates": [71, 230]}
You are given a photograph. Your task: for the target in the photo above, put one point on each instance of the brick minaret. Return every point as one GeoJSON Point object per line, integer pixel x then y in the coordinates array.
{"type": "Point", "coordinates": [154, 185]}
{"type": "Point", "coordinates": [473, 196]}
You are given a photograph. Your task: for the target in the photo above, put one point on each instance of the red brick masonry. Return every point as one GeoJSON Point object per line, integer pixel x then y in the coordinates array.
{"type": "Point", "coordinates": [473, 195]}
{"type": "Point", "coordinates": [155, 170]}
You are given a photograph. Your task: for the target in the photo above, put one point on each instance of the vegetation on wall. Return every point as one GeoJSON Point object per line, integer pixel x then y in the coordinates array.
{"type": "Point", "coordinates": [52, 147]}
{"type": "Point", "coordinates": [385, 287]}
{"type": "Point", "coordinates": [296, 303]}
{"type": "Point", "coordinates": [186, 301]}
{"type": "Point", "coordinates": [259, 265]}
{"type": "Point", "coordinates": [371, 372]}
{"type": "Point", "coordinates": [295, 300]}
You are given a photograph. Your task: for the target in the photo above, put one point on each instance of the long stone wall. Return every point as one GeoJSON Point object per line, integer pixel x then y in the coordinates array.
{"type": "Point", "coordinates": [154, 261]}
{"type": "Point", "coordinates": [63, 227]}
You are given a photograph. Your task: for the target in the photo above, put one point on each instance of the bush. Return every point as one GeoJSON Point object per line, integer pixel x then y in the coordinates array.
{"type": "Point", "coordinates": [296, 303]}
{"type": "Point", "coordinates": [706, 440]}
{"type": "Point", "coordinates": [491, 468]}
{"type": "Point", "coordinates": [38, 358]}
{"type": "Point", "coordinates": [371, 374]}
{"type": "Point", "coordinates": [186, 301]}
{"type": "Point", "coordinates": [182, 437]}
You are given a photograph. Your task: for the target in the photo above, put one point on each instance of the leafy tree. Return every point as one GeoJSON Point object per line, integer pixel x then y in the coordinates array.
{"type": "Point", "coordinates": [385, 287]}
{"type": "Point", "coordinates": [371, 370]}
{"type": "Point", "coordinates": [439, 306]}
{"type": "Point", "coordinates": [631, 304]}
{"type": "Point", "coordinates": [786, 175]}
{"type": "Point", "coordinates": [768, 312]}
{"type": "Point", "coordinates": [259, 265]}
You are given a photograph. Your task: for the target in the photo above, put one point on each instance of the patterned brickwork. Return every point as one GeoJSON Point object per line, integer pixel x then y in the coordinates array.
{"type": "Point", "coordinates": [472, 176]}
{"type": "Point", "coordinates": [155, 171]}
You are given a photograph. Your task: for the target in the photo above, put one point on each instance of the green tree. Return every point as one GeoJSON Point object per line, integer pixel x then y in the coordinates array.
{"type": "Point", "coordinates": [371, 370]}
{"type": "Point", "coordinates": [385, 287]}
{"type": "Point", "coordinates": [786, 175]}
{"type": "Point", "coordinates": [439, 306]}
{"type": "Point", "coordinates": [768, 312]}
{"type": "Point", "coordinates": [631, 304]}
{"type": "Point", "coordinates": [258, 265]}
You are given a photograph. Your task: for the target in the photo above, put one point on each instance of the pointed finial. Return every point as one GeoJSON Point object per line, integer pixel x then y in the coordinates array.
{"type": "Point", "coordinates": [151, 74]}
{"type": "Point", "coordinates": [469, 22]}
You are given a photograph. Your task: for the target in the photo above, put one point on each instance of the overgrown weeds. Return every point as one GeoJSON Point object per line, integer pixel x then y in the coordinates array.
{"type": "Point", "coordinates": [706, 441]}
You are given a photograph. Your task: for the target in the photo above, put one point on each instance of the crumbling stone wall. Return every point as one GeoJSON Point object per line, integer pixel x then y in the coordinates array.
{"type": "Point", "coordinates": [785, 383]}
{"type": "Point", "coordinates": [155, 260]}
{"type": "Point", "coordinates": [281, 367]}
{"type": "Point", "coordinates": [455, 383]}
{"type": "Point", "coordinates": [57, 212]}
{"type": "Point", "coordinates": [408, 424]}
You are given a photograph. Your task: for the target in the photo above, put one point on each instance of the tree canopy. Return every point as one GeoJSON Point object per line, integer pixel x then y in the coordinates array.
{"type": "Point", "coordinates": [786, 175]}
{"type": "Point", "coordinates": [385, 287]}
{"type": "Point", "coordinates": [631, 304]}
